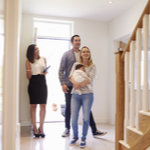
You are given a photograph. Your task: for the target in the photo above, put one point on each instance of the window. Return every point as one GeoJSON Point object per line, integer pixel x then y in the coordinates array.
{"type": "Point", "coordinates": [53, 39]}
{"type": "Point", "coordinates": [53, 28]}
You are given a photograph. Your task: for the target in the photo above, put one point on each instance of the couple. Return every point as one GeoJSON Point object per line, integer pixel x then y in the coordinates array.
{"type": "Point", "coordinates": [74, 101]}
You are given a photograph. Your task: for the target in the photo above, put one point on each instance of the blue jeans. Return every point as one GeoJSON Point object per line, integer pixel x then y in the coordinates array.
{"type": "Point", "coordinates": [85, 101]}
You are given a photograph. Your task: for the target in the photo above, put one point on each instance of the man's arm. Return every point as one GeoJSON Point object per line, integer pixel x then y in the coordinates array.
{"type": "Point", "coordinates": [61, 73]}
{"type": "Point", "coordinates": [62, 69]}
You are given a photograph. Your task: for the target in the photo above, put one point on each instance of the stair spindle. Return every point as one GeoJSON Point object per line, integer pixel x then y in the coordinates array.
{"type": "Point", "coordinates": [138, 94]}
{"type": "Point", "coordinates": [132, 65]}
{"type": "Point", "coordinates": [145, 84]}
{"type": "Point", "coordinates": [126, 120]}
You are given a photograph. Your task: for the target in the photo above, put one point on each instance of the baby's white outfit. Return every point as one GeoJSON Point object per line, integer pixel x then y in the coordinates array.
{"type": "Point", "coordinates": [79, 76]}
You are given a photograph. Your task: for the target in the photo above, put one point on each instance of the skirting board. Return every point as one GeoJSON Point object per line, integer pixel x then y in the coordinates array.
{"type": "Point", "coordinates": [25, 123]}
{"type": "Point", "coordinates": [18, 135]}
{"type": "Point", "coordinates": [97, 120]}
{"type": "Point", "coordinates": [111, 121]}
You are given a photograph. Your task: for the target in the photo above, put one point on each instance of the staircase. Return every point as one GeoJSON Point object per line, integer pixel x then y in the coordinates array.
{"type": "Point", "coordinates": [133, 117]}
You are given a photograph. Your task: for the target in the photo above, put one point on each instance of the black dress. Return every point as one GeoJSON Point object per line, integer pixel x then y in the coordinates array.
{"type": "Point", "coordinates": [37, 89]}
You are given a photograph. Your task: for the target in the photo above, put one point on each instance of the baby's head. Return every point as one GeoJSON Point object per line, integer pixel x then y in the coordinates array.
{"type": "Point", "coordinates": [80, 67]}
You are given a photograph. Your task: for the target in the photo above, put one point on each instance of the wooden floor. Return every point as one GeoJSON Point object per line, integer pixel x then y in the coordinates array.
{"type": "Point", "coordinates": [54, 141]}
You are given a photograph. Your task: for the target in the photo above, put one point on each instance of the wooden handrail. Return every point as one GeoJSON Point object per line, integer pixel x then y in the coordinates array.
{"type": "Point", "coordinates": [139, 25]}
{"type": "Point", "coordinates": [119, 121]}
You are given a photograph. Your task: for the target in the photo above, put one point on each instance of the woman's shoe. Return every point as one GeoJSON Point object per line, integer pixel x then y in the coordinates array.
{"type": "Point", "coordinates": [36, 135]}
{"type": "Point", "coordinates": [39, 130]}
{"type": "Point", "coordinates": [42, 135]}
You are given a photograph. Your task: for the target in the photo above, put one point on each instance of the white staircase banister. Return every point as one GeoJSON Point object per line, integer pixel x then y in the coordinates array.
{"type": "Point", "coordinates": [132, 65]}
{"type": "Point", "coordinates": [126, 120]}
{"type": "Point", "coordinates": [145, 84]}
{"type": "Point", "coordinates": [138, 60]}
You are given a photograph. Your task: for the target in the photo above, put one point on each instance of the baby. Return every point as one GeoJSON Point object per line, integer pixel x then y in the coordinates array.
{"type": "Point", "coordinates": [79, 76]}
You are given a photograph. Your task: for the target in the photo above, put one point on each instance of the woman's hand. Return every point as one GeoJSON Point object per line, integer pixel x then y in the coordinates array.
{"type": "Point", "coordinates": [76, 86]}
{"type": "Point", "coordinates": [44, 73]}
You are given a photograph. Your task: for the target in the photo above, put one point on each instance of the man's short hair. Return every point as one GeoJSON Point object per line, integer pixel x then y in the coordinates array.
{"type": "Point", "coordinates": [72, 38]}
{"type": "Point", "coordinates": [79, 66]}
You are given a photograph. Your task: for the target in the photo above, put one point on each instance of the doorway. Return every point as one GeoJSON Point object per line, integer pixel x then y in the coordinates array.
{"type": "Point", "coordinates": [53, 50]}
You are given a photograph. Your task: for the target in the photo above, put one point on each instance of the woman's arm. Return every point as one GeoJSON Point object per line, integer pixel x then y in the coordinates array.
{"type": "Point", "coordinates": [28, 70]}
{"type": "Point", "coordinates": [45, 66]}
{"type": "Point", "coordinates": [76, 85]}
{"type": "Point", "coordinates": [85, 82]}
{"type": "Point", "coordinates": [91, 75]}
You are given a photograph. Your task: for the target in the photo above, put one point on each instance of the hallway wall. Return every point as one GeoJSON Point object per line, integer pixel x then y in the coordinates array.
{"type": "Point", "coordinates": [103, 39]}
{"type": "Point", "coordinates": [119, 28]}
{"type": "Point", "coordinates": [94, 34]}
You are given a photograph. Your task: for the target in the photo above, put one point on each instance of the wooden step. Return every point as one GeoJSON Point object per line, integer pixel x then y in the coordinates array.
{"type": "Point", "coordinates": [144, 113]}
{"type": "Point", "coordinates": [145, 121]}
{"type": "Point", "coordinates": [141, 144]}
{"type": "Point", "coordinates": [125, 144]}
{"type": "Point", "coordinates": [135, 130]}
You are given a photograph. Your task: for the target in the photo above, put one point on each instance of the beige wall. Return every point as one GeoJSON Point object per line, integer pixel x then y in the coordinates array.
{"type": "Point", "coordinates": [102, 38]}
{"type": "Point", "coordinates": [94, 34]}
{"type": "Point", "coordinates": [119, 28]}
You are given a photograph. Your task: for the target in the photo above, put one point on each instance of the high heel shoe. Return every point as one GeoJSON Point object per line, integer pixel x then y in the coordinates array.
{"type": "Point", "coordinates": [42, 135]}
{"type": "Point", "coordinates": [39, 130]}
{"type": "Point", "coordinates": [36, 135]}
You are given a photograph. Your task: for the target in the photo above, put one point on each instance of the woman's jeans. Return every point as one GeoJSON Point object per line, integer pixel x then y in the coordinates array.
{"type": "Point", "coordinates": [85, 101]}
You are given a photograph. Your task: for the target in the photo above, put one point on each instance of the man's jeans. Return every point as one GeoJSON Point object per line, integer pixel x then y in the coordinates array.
{"type": "Point", "coordinates": [85, 101]}
{"type": "Point", "coordinates": [68, 107]}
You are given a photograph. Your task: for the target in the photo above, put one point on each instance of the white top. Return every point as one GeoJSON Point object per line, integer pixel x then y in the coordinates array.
{"type": "Point", "coordinates": [38, 66]}
{"type": "Point", "coordinates": [77, 56]}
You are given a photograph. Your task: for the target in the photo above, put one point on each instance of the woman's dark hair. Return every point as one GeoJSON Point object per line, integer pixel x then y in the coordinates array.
{"type": "Point", "coordinates": [79, 66]}
{"type": "Point", "coordinates": [30, 53]}
{"type": "Point", "coordinates": [72, 38]}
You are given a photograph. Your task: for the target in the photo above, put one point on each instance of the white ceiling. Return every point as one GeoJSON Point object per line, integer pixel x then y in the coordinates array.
{"type": "Point", "coordinates": [100, 10]}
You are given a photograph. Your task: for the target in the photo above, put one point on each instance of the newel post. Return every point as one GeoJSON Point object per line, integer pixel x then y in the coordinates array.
{"type": "Point", "coordinates": [120, 85]}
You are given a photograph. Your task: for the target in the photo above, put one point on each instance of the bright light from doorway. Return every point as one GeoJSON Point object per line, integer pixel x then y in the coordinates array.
{"type": "Point", "coordinates": [53, 39]}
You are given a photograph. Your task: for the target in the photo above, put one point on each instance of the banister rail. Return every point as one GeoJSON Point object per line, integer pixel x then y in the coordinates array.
{"type": "Point", "coordinates": [139, 25]}
{"type": "Point", "coordinates": [132, 127]}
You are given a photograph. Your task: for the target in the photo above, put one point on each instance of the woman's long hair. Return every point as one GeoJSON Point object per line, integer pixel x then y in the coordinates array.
{"type": "Point", "coordinates": [30, 53]}
{"type": "Point", "coordinates": [90, 59]}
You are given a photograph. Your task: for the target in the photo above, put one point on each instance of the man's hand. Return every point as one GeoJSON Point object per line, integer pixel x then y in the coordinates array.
{"type": "Point", "coordinates": [65, 88]}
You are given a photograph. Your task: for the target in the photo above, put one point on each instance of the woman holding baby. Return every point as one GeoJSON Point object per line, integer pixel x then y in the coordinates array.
{"type": "Point", "coordinates": [85, 98]}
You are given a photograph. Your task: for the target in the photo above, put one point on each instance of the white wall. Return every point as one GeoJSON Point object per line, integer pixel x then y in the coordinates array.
{"type": "Point", "coordinates": [103, 39]}
{"type": "Point", "coordinates": [119, 27]}
{"type": "Point", "coordinates": [93, 34]}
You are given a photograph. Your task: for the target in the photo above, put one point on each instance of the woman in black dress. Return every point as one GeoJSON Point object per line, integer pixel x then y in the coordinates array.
{"type": "Point", "coordinates": [37, 89]}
